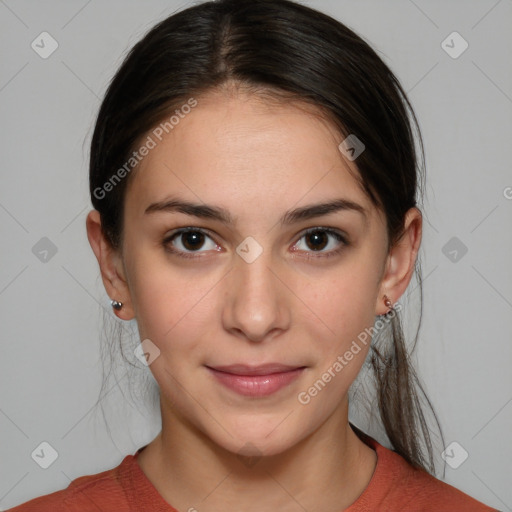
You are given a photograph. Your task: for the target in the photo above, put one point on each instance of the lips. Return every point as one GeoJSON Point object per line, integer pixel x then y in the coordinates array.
{"type": "Point", "coordinates": [256, 381]}
{"type": "Point", "coordinates": [265, 369]}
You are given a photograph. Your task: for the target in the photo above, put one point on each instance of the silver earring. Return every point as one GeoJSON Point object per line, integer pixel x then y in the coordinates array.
{"type": "Point", "coordinates": [116, 305]}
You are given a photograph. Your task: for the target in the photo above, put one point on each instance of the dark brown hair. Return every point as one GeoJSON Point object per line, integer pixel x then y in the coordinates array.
{"type": "Point", "coordinates": [284, 50]}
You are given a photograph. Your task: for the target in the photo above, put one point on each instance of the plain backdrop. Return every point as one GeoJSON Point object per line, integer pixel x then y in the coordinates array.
{"type": "Point", "coordinates": [52, 299]}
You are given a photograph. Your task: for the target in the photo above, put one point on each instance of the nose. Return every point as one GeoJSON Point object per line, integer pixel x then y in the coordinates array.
{"type": "Point", "coordinates": [256, 306]}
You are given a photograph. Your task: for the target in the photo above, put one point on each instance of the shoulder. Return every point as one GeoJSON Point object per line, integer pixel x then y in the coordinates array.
{"type": "Point", "coordinates": [418, 490]}
{"type": "Point", "coordinates": [99, 492]}
{"type": "Point", "coordinates": [396, 485]}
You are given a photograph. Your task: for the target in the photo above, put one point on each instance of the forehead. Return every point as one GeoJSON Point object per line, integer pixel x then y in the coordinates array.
{"type": "Point", "coordinates": [239, 151]}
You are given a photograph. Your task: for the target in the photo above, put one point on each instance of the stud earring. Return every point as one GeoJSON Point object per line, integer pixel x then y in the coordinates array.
{"type": "Point", "coordinates": [116, 305]}
{"type": "Point", "coordinates": [388, 302]}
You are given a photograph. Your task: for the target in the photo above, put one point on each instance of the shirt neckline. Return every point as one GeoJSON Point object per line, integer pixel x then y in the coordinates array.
{"type": "Point", "coordinates": [141, 491]}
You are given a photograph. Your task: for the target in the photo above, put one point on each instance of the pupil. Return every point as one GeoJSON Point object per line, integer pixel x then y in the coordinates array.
{"type": "Point", "coordinates": [317, 240]}
{"type": "Point", "coordinates": [193, 240]}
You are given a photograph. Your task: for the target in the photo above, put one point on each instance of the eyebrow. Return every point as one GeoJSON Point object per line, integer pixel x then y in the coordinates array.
{"type": "Point", "coordinates": [205, 211]}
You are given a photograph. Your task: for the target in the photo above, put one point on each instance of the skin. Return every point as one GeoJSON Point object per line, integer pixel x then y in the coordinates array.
{"type": "Point", "coordinates": [257, 160]}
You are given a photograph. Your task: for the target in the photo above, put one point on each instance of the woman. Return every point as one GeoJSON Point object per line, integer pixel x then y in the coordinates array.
{"type": "Point", "coordinates": [255, 177]}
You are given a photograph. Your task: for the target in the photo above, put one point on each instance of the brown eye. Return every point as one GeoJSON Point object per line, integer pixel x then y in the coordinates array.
{"type": "Point", "coordinates": [185, 242]}
{"type": "Point", "coordinates": [317, 239]}
{"type": "Point", "coordinates": [192, 240]}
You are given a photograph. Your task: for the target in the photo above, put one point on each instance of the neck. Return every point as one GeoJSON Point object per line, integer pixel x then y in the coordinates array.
{"type": "Point", "coordinates": [325, 471]}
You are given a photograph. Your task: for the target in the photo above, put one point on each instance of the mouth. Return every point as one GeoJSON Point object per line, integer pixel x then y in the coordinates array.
{"type": "Point", "coordinates": [256, 381]}
{"type": "Point", "coordinates": [264, 369]}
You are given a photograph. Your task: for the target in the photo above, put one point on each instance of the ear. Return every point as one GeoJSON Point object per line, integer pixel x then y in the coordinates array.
{"type": "Point", "coordinates": [111, 266]}
{"type": "Point", "coordinates": [400, 261]}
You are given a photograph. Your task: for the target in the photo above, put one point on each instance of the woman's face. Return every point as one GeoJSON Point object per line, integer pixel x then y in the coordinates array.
{"type": "Point", "coordinates": [253, 289]}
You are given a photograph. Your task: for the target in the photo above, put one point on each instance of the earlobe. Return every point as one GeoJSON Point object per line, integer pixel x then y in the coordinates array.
{"type": "Point", "coordinates": [401, 260]}
{"type": "Point", "coordinates": [111, 267]}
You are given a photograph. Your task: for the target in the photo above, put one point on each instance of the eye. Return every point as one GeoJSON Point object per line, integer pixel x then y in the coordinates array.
{"type": "Point", "coordinates": [317, 239]}
{"type": "Point", "coordinates": [187, 241]}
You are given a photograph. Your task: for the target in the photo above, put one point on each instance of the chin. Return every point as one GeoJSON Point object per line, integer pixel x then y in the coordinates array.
{"type": "Point", "coordinates": [257, 442]}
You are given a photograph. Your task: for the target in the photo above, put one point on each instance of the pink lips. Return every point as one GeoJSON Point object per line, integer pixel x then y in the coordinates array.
{"type": "Point", "coordinates": [256, 380]}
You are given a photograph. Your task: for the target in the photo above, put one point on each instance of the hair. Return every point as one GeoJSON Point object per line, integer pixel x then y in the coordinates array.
{"type": "Point", "coordinates": [286, 51]}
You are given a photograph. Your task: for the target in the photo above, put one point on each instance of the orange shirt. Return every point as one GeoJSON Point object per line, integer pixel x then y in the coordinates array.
{"type": "Point", "coordinates": [395, 485]}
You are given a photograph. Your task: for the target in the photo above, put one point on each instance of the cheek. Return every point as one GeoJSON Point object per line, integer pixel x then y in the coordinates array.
{"type": "Point", "coordinates": [155, 293]}
{"type": "Point", "coordinates": [345, 315]}
{"type": "Point", "coordinates": [343, 337]}
{"type": "Point", "coordinates": [343, 299]}
{"type": "Point", "coordinates": [171, 304]}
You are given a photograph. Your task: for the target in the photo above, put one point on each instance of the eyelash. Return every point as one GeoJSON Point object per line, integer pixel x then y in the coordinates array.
{"type": "Point", "coordinates": [309, 255]}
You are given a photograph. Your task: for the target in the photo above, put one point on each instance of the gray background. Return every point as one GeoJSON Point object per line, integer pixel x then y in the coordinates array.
{"type": "Point", "coordinates": [52, 305]}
